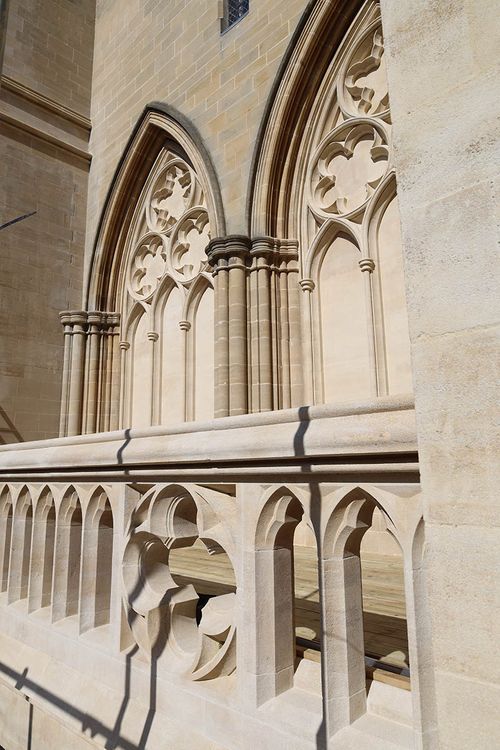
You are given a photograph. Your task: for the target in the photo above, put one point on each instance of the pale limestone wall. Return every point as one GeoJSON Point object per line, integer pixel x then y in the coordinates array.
{"type": "Point", "coordinates": [174, 53]}
{"type": "Point", "coordinates": [44, 105]}
{"type": "Point", "coordinates": [49, 48]}
{"type": "Point", "coordinates": [443, 66]}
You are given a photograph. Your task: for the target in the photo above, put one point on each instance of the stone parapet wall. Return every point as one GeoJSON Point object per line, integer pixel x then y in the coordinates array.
{"type": "Point", "coordinates": [88, 577]}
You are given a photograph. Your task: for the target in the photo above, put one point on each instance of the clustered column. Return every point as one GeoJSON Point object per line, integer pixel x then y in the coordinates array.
{"type": "Point", "coordinates": [89, 400]}
{"type": "Point", "coordinates": [256, 320]}
{"type": "Point", "coordinates": [228, 257]}
{"type": "Point", "coordinates": [275, 368]}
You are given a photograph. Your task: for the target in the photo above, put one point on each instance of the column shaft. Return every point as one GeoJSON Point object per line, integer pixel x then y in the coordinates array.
{"type": "Point", "coordinates": [77, 374]}
{"type": "Point", "coordinates": [68, 330]}
{"type": "Point", "coordinates": [367, 266]}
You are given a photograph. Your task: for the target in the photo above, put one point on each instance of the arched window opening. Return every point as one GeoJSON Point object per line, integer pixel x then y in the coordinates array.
{"type": "Point", "coordinates": [306, 599]}
{"type": "Point", "coordinates": [19, 569]}
{"type": "Point", "coordinates": [343, 371]}
{"type": "Point", "coordinates": [368, 656]}
{"type": "Point", "coordinates": [68, 556]}
{"type": "Point", "coordinates": [288, 625]}
{"type": "Point", "coordinates": [48, 558]}
{"type": "Point", "coordinates": [74, 562]}
{"type": "Point", "coordinates": [104, 566]}
{"type": "Point", "coordinates": [169, 379]}
{"type": "Point", "coordinates": [325, 181]}
{"type": "Point", "coordinates": [384, 606]}
{"type": "Point", "coordinates": [5, 537]}
{"type": "Point", "coordinates": [42, 563]}
{"type": "Point", "coordinates": [25, 570]}
{"type": "Point", "coordinates": [97, 563]}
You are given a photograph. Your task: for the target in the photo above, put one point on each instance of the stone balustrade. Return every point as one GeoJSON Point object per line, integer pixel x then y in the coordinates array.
{"type": "Point", "coordinates": [89, 527]}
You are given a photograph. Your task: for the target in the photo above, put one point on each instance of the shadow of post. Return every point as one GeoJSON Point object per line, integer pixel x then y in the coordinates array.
{"type": "Point", "coordinates": [315, 494]}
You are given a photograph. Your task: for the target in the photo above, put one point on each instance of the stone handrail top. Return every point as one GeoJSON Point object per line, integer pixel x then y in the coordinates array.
{"type": "Point", "coordinates": [370, 427]}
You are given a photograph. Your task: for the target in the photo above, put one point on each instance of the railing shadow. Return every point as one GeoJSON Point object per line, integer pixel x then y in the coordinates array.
{"type": "Point", "coordinates": [315, 495]}
{"type": "Point", "coordinates": [10, 429]}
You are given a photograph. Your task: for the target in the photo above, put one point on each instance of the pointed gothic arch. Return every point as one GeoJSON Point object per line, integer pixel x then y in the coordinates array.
{"type": "Point", "coordinates": [157, 126]}
{"type": "Point", "coordinates": [324, 161]}
{"type": "Point", "coordinates": [161, 210]}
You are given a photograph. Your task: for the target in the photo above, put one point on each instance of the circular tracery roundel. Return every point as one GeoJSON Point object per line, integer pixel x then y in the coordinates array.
{"type": "Point", "coordinates": [189, 240]}
{"type": "Point", "coordinates": [178, 231]}
{"type": "Point", "coordinates": [346, 168]}
{"type": "Point", "coordinates": [170, 621]}
{"type": "Point", "coordinates": [147, 266]}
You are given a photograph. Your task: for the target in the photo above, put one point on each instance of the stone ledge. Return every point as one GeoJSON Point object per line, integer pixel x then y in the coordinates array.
{"type": "Point", "coordinates": [338, 437]}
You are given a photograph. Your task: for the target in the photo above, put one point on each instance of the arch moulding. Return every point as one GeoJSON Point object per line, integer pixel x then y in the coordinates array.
{"type": "Point", "coordinates": [158, 126]}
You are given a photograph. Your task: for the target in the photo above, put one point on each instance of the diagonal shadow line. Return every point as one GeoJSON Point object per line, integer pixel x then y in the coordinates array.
{"type": "Point", "coordinates": [11, 428]}
{"type": "Point", "coordinates": [119, 454]}
{"type": "Point", "coordinates": [306, 467]}
{"type": "Point", "coordinates": [87, 721]}
{"type": "Point", "coordinates": [113, 741]}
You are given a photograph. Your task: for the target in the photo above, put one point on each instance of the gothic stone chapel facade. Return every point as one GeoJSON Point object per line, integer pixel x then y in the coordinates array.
{"type": "Point", "coordinates": [246, 491]}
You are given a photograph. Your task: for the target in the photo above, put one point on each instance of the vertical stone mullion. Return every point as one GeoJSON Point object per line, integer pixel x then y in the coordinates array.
{"type": "Point", "coordinates": [115, 372]}
{"type": "Point", "coordinates": [79, 320]}
{"type": "Point", "coordinates": [295, 356]}
{"type": "Point", "coordinates": [123, 408]}
{"type": "Point", "coordinates": [94, 341]}
{"type": "Point", "coordinates": [68, 333]}
{"type": "Point", "coordinates": [367, 267]}
{"type": "Point", "coordinates": [307, 286]}
{"type": "Point", "coordinates": [284, 336]}
{"type": "Point", "coordinates": [237, 248]}
{"type": "Point", "coordinates": [188, 368]}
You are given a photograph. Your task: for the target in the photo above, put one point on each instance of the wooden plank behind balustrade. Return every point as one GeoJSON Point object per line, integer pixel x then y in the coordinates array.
{"type": "Point", "coordinates": [383, 595]}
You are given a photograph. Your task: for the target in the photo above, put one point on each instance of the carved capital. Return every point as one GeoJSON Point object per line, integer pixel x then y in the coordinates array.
{"type": "Point", "coordinates": [74, 321]}
{"type": "Point", "coordinates": [124, 346]}
{"type": "Point", "coordinates": [367, 264]}
{"type": "Point", "coordinates": [152, 336]}
{"type": "Point", "coordinates": [184, 325]}
{"type": "Point", "coordinates": [228, 252]}
{"type": "Point", "coordinates": [307, 285]}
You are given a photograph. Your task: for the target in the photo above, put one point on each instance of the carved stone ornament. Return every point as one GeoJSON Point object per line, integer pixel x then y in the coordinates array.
{"type": "Point", "coordinates": [170, 196]}
{"type": "Point", "coordinates": [148, 265]}
{"type": "Point", "coordinates": [178, 231]}
{"type": "Point", "coordinates": [168, 620]}
{"type": "Point", "coordinates": [189, 241]}
{"type": "Point", "coordinates": [347, 167]}
{"type": "Point", "coordinates": [366, 77]}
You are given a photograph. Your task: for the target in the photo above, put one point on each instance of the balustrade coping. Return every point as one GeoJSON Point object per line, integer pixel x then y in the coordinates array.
{"type": "Point", "coordinates": [373, 427]}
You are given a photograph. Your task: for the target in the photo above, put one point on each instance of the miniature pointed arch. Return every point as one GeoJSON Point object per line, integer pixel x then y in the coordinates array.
{"type": "Point", "coordinates": [352, 517]}
{"type": "Point", "coordinates": [157, 127]}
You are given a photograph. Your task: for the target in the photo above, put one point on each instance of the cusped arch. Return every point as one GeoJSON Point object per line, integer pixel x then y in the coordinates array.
{"type": "Point", "coordinates": [158, 126]}
{"type": "Point", "coordinates": [203, 282]}
{"type": "Point", "coordinates": [282, 509]}
{"type": "Point", "coordinates": [322, 242]}
{"type": "Point", "coordinates": [351, 517]}
{"type": "Point", "coordinates": [23, 502]}
{"type": "Point", "coordinates": [165, 288]}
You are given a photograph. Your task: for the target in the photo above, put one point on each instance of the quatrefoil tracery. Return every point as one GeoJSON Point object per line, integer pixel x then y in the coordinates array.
{"type": "Point", "coordinates": [165, 615]}
{"type": "Point", "coordinates": [178, 232]}
{"type": "Point", "coordinates": [347, 167]}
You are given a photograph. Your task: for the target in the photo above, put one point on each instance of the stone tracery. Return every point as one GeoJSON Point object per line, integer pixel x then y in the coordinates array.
{"type": "Point", "coordinates": [349, 230]}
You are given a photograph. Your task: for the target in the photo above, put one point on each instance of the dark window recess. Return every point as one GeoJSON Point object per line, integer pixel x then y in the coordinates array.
{"type": "Point", "coordinates": [233, 11]}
